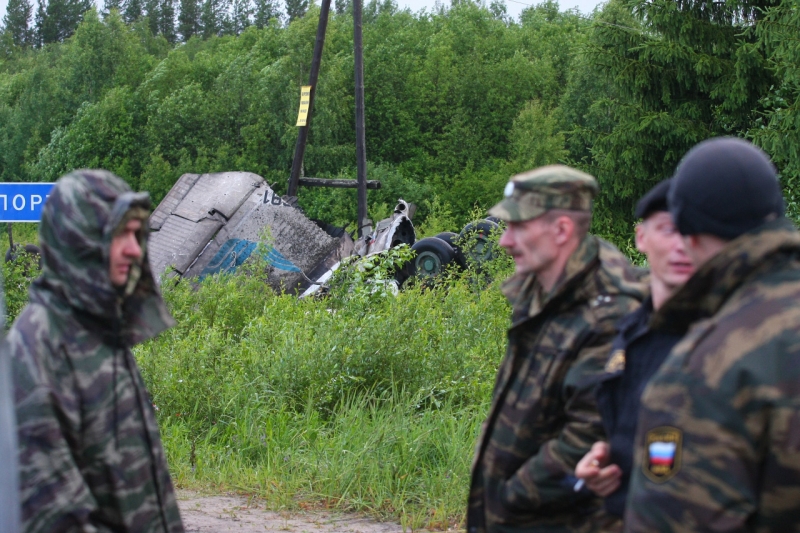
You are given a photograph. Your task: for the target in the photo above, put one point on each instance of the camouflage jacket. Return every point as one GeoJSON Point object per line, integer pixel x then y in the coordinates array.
{"type": "Point", "coordinates": [9, 488]}
{"type": "Point", "coordinates": [718, 439]}
{"type": "Point", "coordinates": [91, 458]}
{"type": "Point", "coordinates": [543, 417]}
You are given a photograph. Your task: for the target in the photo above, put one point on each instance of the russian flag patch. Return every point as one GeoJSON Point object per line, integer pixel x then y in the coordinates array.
{"type": "Point", "coordinates": [662, 457]}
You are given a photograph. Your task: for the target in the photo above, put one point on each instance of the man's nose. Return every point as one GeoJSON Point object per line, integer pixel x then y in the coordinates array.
{"type": "Point", "coordinates": [132, 247]}
{"type": "Point", "coordinates": [506, 240]}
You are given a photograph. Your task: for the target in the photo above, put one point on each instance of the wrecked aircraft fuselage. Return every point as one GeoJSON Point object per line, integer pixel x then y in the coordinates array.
{"type": "Point", "coordinates": [213, 223]}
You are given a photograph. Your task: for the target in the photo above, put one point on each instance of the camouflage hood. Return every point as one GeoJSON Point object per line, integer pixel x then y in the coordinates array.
{"type": "Point", "coordinates": [79, 220]}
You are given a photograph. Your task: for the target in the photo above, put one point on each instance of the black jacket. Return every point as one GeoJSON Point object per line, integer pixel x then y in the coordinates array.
{"type": "Point", "coordinates": [636, 354]}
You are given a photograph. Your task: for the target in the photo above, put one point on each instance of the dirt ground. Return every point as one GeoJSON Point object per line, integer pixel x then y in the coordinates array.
{"type": "Point", "coordinates": [222, 514]}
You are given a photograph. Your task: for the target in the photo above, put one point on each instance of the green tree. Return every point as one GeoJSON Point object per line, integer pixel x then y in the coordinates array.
{"type": "Point", "coordinates": [111, 5]}
{"type": "Point", "coordinates": [189, 19]}
{"type": "Point", "coordinates": [682, 72]}
{"type": "Point", "coordinates": [535, 140]}
{"type": "Point", "coordinates": [240, 17]}
{"type": "Point", "coordinates": [17, 21]}
{"type": "Point", "coordinates": [778, 130]}
{"type": "Point", "coordinates": [133, 10]}
{"type": "Point", "coordinates": [296, 9]}
{"type": "Point", "coordinates": [264, 11]}
{"type": "Point", "coordinates": [57, 19]}
{"type": "Point", "coordinates": [38, 24]}
{"type": "Point", "coordinates": [152, 10]}
{"type": "Point", "coordinates": [456, 101]}
{"type": "Point", "coordinates": [213, 17]}
{"type": "Point", "coordinates": [343, 7]}
{"type": "Point", "coordinates": [166, 20]}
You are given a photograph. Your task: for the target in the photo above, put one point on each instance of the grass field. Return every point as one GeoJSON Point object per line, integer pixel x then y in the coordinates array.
{"type": "Point", "coordinates": [357, 402]}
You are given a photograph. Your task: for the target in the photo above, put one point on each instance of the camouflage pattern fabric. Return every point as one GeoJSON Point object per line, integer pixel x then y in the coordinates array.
{"type": "Point", "coordinates": [718, 439]}
{"type": "Point", "coordinates": [9, 488]}
{"type": "Point", "coordinates": [543, 417]}
{"type": "Point", "coordinates": [91, 458]}
{"type": "Point", "coordinates": [533, 193]}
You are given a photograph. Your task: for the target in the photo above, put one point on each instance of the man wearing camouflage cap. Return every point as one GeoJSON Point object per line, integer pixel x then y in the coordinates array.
{"type": "Point", "coordinates": [568, 291]}
{"type": "Point", "coordinates": [90, 452]}
{"type": "Point", "coordinates": [718, 435]}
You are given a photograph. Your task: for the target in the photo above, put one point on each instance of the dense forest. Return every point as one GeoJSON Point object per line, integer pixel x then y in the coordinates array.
{"type": "Point", "coordinates": [457, 99]}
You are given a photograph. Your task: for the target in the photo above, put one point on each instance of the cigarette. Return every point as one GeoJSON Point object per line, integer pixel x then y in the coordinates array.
{"type": "Point", "coordinates": [578, 486]}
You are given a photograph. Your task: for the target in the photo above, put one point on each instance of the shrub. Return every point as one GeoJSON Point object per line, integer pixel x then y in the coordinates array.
{"type": "Point", "coordinates": [363, 401]}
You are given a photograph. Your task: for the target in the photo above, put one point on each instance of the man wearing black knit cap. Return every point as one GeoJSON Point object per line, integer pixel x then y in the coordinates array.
{"type": "Point", "coordinates": [636, 353]}
{"type": "Point", "coordinates": [718, 436]}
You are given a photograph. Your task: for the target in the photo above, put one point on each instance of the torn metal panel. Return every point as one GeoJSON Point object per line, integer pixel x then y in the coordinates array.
{"type": "Point", "coordinates": [296, 244]}
{"type": "Point", "coordinates": [220, 193]}
{"type": "Point", "coordinates": [389, 232]}
{"type": "Point", "coordinates": [171, 200]}
{"type": "Point", "coordinates": [179, 241]}
{"type": "Point", "coordinates": [214, 222]}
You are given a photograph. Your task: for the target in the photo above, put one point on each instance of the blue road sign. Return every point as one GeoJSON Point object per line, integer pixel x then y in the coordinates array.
{"type": "Point", "coordinates": [23, 202]}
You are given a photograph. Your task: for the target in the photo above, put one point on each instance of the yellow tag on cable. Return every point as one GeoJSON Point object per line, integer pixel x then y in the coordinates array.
{"type": "Point", "coordinates": [305, 100]}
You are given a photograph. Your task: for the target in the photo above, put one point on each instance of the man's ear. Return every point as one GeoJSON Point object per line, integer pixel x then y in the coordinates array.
{"type": "Point", "coordinates": [640, 232]}
{"type": "Point", "coordinates": [565, 229]}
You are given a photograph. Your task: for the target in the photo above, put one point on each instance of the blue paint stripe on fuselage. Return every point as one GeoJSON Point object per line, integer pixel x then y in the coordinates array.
{"type": "Point", "coordinates": [235, 252]}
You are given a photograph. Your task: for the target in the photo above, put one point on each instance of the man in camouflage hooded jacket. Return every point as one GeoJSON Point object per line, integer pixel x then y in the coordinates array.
{"type": "Point", "coordinates": [569, 290]}
{"type": "Point", "coordinates": [91, 458]}
{"type": "Point", "coordinates": [718, 437]}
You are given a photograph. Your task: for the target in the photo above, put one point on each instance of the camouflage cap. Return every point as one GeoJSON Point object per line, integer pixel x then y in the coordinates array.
{"type": "Point", "coordinates": [533, 193]}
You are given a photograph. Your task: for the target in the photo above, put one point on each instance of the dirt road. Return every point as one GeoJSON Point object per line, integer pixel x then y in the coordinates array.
{"type": "Point", "coordinates": [222, 514]}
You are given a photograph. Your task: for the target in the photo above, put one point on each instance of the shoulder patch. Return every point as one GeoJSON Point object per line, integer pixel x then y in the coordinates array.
{"type": "Point", "coordinates": [662, 453]}
{"type": "Point", "coordinates": [616, 363]}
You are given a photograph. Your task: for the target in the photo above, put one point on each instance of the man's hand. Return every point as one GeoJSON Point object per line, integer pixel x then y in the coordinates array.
{"type": "Point", "coordinates": [599, 477]}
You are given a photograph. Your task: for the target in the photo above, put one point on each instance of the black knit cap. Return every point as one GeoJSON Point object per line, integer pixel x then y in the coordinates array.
{"type": "Point", "coordinates": [654, 201]}
{"type": "Point", "coordinates": [724, 187]}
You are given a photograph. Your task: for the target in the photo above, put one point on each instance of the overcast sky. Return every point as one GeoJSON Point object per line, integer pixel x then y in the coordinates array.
{"type": "Point", "coordinates": [514, 6]}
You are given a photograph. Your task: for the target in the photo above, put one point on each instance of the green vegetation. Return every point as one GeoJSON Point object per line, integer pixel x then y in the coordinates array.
{"type": "Point", "coordinates": [17, 274]}
{"type": "Point", "coordinates": [359, 401]}
{"type": "Point", "coordinates": [367, 401]}
{"type": "Point", "coordinates": [456, 100]}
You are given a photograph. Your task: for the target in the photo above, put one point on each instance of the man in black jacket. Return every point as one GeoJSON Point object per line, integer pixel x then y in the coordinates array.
{"type": "Point", "coordinates": [636, 354]}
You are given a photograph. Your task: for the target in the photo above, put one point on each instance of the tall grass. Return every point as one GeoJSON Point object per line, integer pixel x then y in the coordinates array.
{"type": "Point", "coordinates": [370, 404]}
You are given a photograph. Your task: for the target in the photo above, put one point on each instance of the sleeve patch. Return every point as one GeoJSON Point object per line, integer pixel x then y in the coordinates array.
{"type": "Point", "coordinates": [662, 453]}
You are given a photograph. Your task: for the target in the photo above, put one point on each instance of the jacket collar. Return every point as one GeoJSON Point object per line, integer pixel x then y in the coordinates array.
{"type": "Point", "coordinates": [628, 323]}
{"type": "Point", "coordinates": [707, 290]}
{"type": "Point", "coordinates": [524, 291]}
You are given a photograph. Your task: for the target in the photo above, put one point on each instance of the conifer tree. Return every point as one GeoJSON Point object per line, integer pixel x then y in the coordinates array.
{"type": "Point", "coordinates": [296, 9]}
{"type": "Point", "coordinates": [57, 19]}
{"type": "Point", "coordinates": [241, 11]}
{"type": "Point", "coordinates": [683, 72]}
{"type": "Point", "coordinates": [778, 130]}
{"type": "Point", "coordinates": [189, 19]}
{"type": "Point", "coordinates": [213, 17]}
{"type": "Point", "coordinates": [111, 5]}
{"type": "Point", "coordinates": [264, 11]}
{"type": "Point", "coordinates": [133, 10]}
{"type": "Point", "coordinates": [39, 23]}
{"type": "Point", "coordinates": [152, 10]}
{"type": "Point", "coordinates": [166, 20]}
{"type": "Point", "coordinates": [17, 21]}
{"type": "Point", "coordinates": [343, 6]}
